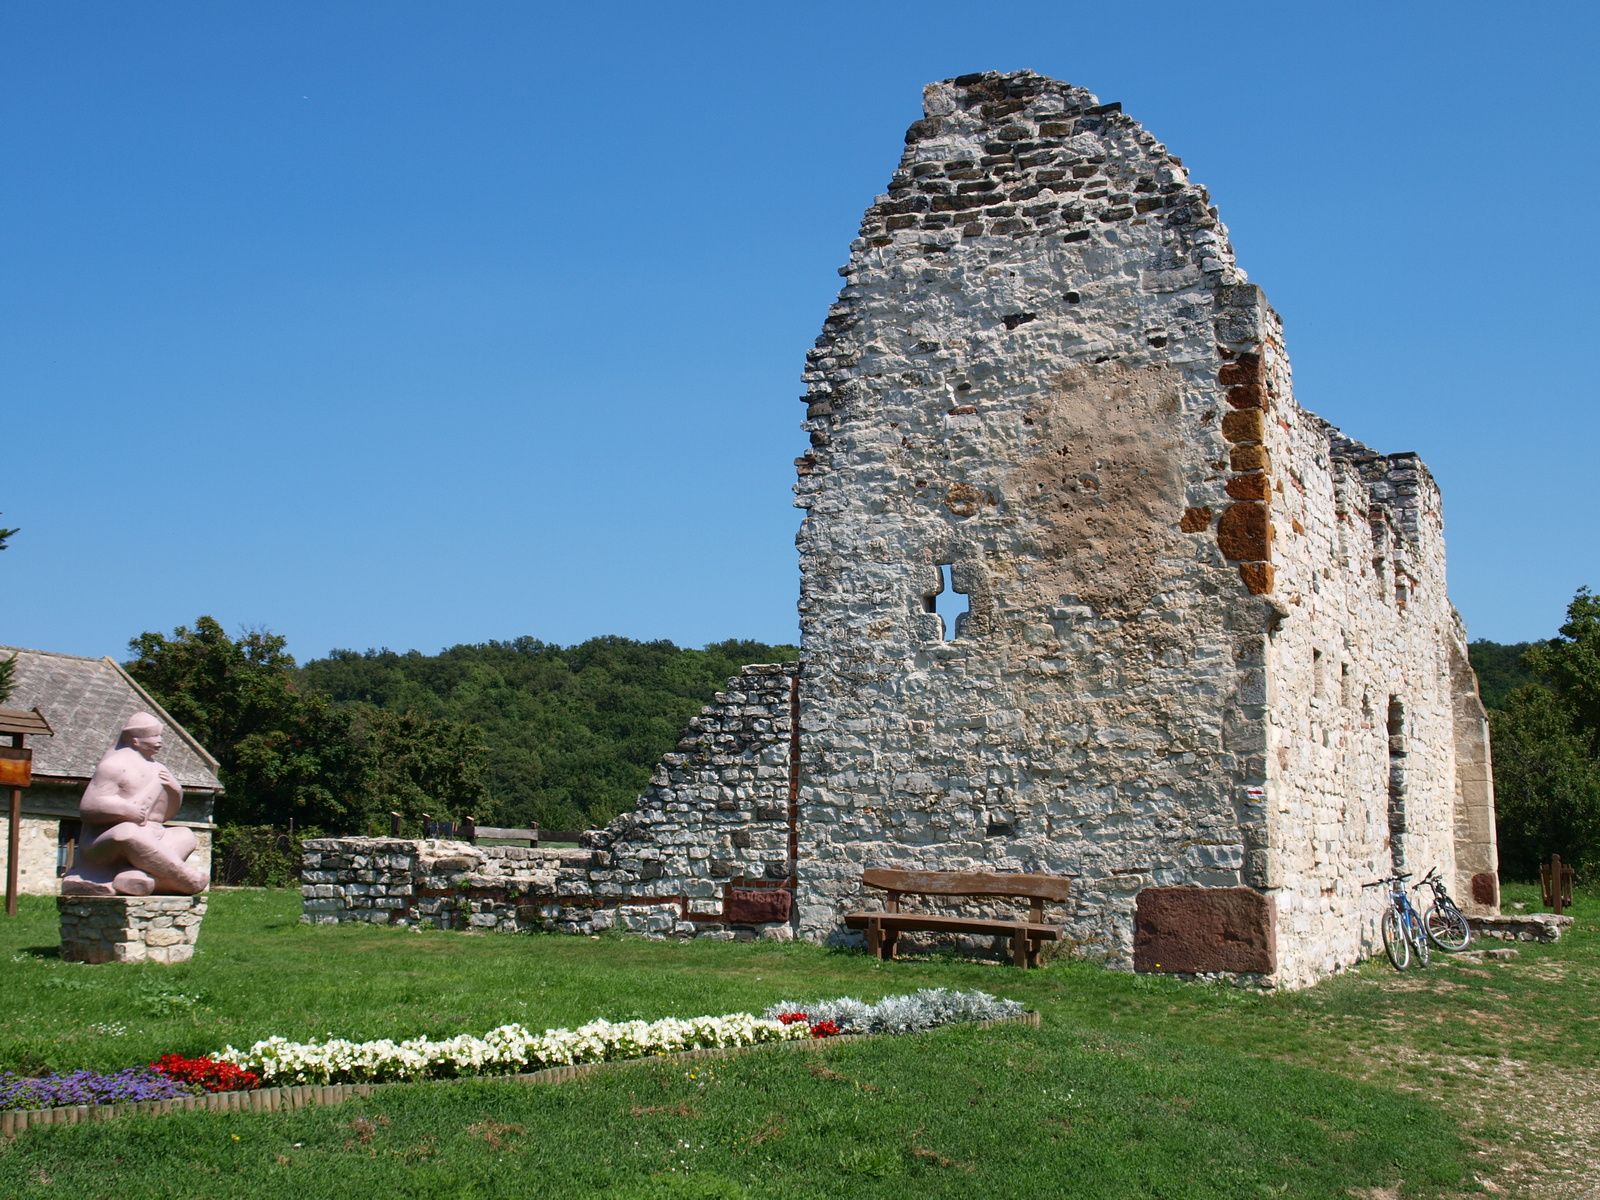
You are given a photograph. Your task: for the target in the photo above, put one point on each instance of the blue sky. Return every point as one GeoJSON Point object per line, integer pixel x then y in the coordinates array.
{"type": "Point", "coordinates": [412, 324]}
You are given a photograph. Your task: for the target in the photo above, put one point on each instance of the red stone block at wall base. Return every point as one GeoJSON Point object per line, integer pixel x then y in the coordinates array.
{"type": "Point", "coordinates": [1486, 889]}
{"type": "Point", "coordinates": [753, 906]}
{"type": "Point", "coordinates": [1195, 930]}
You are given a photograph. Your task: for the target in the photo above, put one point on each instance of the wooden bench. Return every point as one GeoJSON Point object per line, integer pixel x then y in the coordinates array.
{"type": "Point", "coordinates": [884, 928]}
{"type": "Point", "coordinates": [470, 831]}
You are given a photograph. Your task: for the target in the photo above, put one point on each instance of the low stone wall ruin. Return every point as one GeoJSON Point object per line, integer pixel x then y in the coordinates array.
{"type": "Point", "coordinates": [506, 889]}
{"type": "Point", "coordinates": [709, 850]}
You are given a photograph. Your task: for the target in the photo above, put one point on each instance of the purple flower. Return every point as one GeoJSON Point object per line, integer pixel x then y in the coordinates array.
{"type": "Point", "coordinates": [89, 1087]}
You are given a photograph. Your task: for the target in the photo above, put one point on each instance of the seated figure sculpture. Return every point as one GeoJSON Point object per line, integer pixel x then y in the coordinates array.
{"type": "Point", "coordinates": [126, 848]}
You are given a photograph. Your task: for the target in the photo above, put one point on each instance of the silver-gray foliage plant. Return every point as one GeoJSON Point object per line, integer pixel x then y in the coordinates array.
{"type": "Point", "coordinates": [925, 1009]}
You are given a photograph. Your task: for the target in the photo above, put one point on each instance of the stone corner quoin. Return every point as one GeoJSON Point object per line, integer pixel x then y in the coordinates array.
{"type": "Point", "coordinates": [1084, 591]}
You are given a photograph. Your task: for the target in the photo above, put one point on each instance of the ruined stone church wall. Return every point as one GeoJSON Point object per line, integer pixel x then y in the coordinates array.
{"type": "Point", "coordinates": [1362, 772]}
{"type": "Point", "coordinates": [1020, 379]}
{"type": "Point", "coordinates": [1046, 390]}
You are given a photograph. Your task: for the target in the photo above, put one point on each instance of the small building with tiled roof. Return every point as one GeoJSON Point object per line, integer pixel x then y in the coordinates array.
{"type": "Point", "coordinates": [86, 701]}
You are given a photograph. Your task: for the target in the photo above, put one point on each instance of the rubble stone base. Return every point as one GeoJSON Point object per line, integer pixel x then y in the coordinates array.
{"type": "Point", "coordinates": [101, 929]}
{"type": "Point", "coordinates": [1521, 927]}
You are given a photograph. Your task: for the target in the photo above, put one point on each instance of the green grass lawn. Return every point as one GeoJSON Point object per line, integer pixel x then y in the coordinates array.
{"type": "Point", "coordinates": [1133, 1086]}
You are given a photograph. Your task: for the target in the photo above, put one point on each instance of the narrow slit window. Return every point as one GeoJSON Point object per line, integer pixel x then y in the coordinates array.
{"type": "Point", "coordinates": [954, 606]}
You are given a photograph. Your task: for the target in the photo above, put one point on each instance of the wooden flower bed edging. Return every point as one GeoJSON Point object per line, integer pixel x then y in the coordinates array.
{"type": "Point", "coordinates": [283, 1099]}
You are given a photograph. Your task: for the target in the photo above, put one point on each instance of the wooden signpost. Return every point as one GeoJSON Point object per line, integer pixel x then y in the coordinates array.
{"type": "Point", "coordinates": [16, 773]}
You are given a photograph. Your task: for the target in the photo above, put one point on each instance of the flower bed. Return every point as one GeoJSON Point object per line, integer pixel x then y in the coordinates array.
{"type": "Point", "coordinates": [508, 1050]}
{"type": "Point", "coordinates": [511, 1049]}
{"type": "Point", "coordinates": [504, 1051]}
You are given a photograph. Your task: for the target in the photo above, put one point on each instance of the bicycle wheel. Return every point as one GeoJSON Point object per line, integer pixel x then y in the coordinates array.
{"type": "Point", "coordinates": [1417, 936]}
{"type": "Point", "coordinates": [1395, 943]}
{"type": "Point", "coordinates": [1448, 929]}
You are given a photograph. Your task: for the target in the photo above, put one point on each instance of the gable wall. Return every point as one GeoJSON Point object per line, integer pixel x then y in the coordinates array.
{"type": "Point", "coordinates": [1029, 392]}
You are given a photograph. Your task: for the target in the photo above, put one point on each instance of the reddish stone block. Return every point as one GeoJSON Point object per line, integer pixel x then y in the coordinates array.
{"type": "Point", "coordinates": [1195, 519]}
{"type": "Point", "coordinates": [1244, 425]}
{"type": "Point", "coordinates": [1250, 487]}
{"type": "Point", "coordinates": [1259, 577]}
{"type": "Point", "coordinates": [1486, 889]}
{"type": "Point", "coordinates": [1249, 395]}
{"type": "Point", "coordinates": [1194, 930]}
{"type": "Point", "coordinates": [1244, 534]}
{"type": "Point", "coordinates": [1246, 369]}
{"type": "Point", "coordinates": [1249, 458]}
{"type": "Point", "coordinates": [756, 906]}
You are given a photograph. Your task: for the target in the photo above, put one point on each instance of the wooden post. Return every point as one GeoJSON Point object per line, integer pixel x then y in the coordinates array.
{"type": "Point", "coordinates": [469, 826]}
{"type": "Point", "coordinates": [13, 850]}
{"type": "Point", "coordinates": [394, 824]}
{"type": "Point", "coordinates": [13, 841]}
{"type": "Point", "coordinates": [1553, 883]}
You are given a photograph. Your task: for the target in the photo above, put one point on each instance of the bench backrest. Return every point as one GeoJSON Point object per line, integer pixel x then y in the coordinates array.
{"type": "Point", "coordinates": [967, 883]}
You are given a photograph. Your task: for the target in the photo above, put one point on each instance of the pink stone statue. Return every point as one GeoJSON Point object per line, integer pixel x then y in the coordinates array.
{"type": "Point", "coordinates": [126, 848]}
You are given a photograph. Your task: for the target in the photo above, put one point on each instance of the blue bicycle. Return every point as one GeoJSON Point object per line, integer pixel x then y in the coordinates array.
{"type": "Point", "coordinates": [1404, 934]}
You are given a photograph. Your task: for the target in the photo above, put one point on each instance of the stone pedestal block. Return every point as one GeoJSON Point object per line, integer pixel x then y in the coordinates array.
{"type": "Point", "coordinates": [99, 929]}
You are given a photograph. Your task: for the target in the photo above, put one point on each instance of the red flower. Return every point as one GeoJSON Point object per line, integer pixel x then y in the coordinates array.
{"type": "Point", "coordinates": [208, 1073]}
{"type": "Point", "coordinates": [793, 1018]}
{"type": "Point", "coordinates": [824, 1029]}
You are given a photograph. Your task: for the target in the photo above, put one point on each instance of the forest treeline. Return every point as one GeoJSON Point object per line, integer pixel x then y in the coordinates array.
{"type": "Point", "coordinates": [507, 732]}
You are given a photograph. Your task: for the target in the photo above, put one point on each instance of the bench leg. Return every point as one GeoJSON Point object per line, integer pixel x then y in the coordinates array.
{"type": "Point", "coordinates": [874, 938]}
{"type": "Point", "coordinates": [890, 938]}
{"type": "Point", "coordinates": [1034, 945]}
{"type": "Point", "coordinates": [1019, 948]}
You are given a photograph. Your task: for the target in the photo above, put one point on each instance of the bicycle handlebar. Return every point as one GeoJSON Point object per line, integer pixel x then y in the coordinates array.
{"type": "Point", "coordinates": [1390, 879]}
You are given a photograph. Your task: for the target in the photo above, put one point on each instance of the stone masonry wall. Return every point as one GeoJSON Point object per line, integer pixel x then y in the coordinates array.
{"type": "Point", "coordinates": [454, 885]}
{"type": "Point", "coordinates": [1021, 379]}
{"type": "Point", "coordinates": [719, 809]}
{"type": "Point", "coordinates": [1046, 376]}
{"type": "Point", "coordinates": [1361, 735]}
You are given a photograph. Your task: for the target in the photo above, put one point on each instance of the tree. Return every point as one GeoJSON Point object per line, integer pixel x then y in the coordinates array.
{"type": "Point", "coordinates": [572, 732]}
{"type": "Point", "coordinates": [1499, 669]}
{"type": "Point", "coordinates": [1546, 746]}
{"type": "Point", "coordinates": [8, 677]}
{"type": "Point", "coordinates": [1571, 663]}
{"type": "Point", "coordinates": [283, 753]}
{"type": "Point", "coordinates": [284, 748]}
{"type": "Point", "coordinates": [5, 536]}
{"type": "Point", "coordinates": [1546, 784]}
{"type": "Point", "coordinates": [411, 763]}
